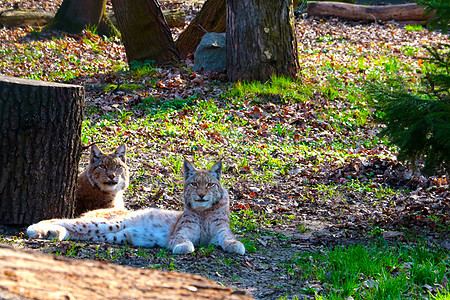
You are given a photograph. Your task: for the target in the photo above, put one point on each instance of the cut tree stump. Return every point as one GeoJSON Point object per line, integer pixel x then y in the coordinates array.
{"type": "Point", "coordinates": [33, 275]}
{"type": "Point", "coordinates": [40, 148]}
{"type": "Point", "coordinates": [402, 12]}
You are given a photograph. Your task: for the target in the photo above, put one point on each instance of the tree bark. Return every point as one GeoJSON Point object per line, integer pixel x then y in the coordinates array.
{"type": "Point", "coordinates": [75, 15]}
{"type": "Point", "coordinates": [211, 18]}
{"type": "Point", "coordinates": [261, 40]}
{"type": "Point", "coordinates": [40, 147]}
{"type": "Point", "coordinates": [401, 12]}
{"type": "Point", "coordinates": [145, 33]}
{"type": "Point", "coordinates": [33, 275]}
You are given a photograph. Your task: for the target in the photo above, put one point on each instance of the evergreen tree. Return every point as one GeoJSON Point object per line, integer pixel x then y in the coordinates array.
{"type": "Point", "coordinates": [441, 11]}
{"type": "Point", "coordinates": [419, 124]}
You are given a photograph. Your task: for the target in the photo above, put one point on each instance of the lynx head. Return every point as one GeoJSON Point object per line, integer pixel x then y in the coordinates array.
{"type": "Point", "coordinates": [202, 188]}
{"type": "Point", "coordinates": [108, 171]}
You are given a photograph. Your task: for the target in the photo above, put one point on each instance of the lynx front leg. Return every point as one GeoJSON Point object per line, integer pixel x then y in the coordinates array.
{"type": "Point", "coordinates": [183, 247]}
{"type": "Point", "coordinates": [184, 236]}
{"type": "Point", "coordinates": [180, 243]}
{"type": "Point", "coordinates": [227, 241]}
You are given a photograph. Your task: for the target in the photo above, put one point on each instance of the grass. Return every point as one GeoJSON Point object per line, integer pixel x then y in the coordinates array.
{"type": "Point", "coordinates": [28, 58]}
{"type": "Point", "coordinates": [209, 125]}
{"type": "Point", "coordinates": [378, 271]}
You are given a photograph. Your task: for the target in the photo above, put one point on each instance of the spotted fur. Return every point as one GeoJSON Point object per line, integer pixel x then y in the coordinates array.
{"type": "Point", "coordinates": [103, 182]}
{"type": "Point", "coordinates": [204, 220]}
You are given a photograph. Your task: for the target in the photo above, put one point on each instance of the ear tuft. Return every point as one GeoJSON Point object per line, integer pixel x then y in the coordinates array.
{"type": "Point", "coordinates": [189, 169]}
{"type": "Point", "coordinates": [96, 153]}
{"type": "Point", "coordinates": [121, 151]}
{"type": "Point", "coordinates": [216, 170]}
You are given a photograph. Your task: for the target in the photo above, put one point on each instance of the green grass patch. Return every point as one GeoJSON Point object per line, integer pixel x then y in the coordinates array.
{"type": "Point", "coordinates": [413, 27]}
{"type": "Point", "coordinates": [378, 271]}
{"type": "Point", "coordinates": [277, 89]}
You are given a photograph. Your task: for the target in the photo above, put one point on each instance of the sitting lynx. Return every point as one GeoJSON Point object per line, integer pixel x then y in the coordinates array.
{"type": "Point", "coordinates": [103, 182]}
{"type": "Point", "coordinates": [205, 219]}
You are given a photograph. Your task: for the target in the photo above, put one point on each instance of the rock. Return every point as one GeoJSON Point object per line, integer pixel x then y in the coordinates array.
{"type": "Point", "coordinates": [392, 234]}
{"type": "Point", "coordinates": [211, 53]}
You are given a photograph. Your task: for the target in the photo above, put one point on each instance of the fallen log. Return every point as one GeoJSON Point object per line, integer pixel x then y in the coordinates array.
{"type": "Point", "coordinates": [28, 17]}
{"type": "Point", "coordinates": [354, 12]}
{"type": "Point", "coordinates": [25, 17]}
{"type": "Point", "coordinates": [33, 275]}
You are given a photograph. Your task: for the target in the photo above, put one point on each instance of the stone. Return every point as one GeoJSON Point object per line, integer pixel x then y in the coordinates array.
{"type": "Point", "coordinates": [211, 53]}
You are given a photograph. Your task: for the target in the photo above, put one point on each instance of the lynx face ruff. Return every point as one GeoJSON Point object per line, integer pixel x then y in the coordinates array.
{"type": "Point", "coordinates": [205, 219]}
{"type": "Point", "coordinates": [103, 182]}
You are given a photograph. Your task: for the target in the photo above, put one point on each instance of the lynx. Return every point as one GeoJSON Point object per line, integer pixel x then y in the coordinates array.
{"type": "Point", "coordinates": [103, 182]}
{"type": "Point", "coordinates": [205, 219]}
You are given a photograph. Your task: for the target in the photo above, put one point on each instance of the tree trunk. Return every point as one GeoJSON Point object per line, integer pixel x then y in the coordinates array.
{"type": "Point", "coordinates": [402, 12]}
{"type": "Point", "coordinates": [211, 18]}
{"type": "Point", "coordinates": [40, 147]}
{"type": "Point", "coordinates": [261, 40]}
{"type": "Point", "coordinates": [75, 15]}
{"type": "Point", "coordinates": [145, 33]}
{"type": "Point", "coordinates": [33, 275]}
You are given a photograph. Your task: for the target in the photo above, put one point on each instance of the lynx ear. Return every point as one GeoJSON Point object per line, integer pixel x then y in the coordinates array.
{"type": "Point", "coordinates": [96, 153]}
{"type": "Point", "coordinates": [216, 170]}
{"type": "Point", "coordinates": [120, 152]}
{"type": "Point", "coordinates": [189, 169]}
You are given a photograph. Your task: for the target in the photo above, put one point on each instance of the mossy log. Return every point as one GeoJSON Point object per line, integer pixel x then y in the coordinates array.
{"type": "Point", "coordinates": [25, 17]}
{"type": "Point", "coordinates": [174, 17]}
{"type": "Point", "coordinates": [401, 12]}
{"type": "Point", "coordinates": [28, 17]}
{"type": "Point", "coordinates": [33, 275]}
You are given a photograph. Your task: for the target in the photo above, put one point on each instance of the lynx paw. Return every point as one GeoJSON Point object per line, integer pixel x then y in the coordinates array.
{"type": "Point", "coordinates": [184, 248]}
{"type": "Point", "coordinates": [234, 246]}
{"type": "Point", "coordinates": [47, 231]}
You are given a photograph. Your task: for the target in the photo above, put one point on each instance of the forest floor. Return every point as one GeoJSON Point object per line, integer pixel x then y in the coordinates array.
{"type": "Point", "coordinates": [305, 167]}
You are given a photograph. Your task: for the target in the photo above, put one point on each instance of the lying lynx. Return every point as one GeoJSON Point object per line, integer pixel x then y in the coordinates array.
{"type": "Point", "coordinates": [103, 182]}
{"type": "Point", "coordinates": [205, 219]}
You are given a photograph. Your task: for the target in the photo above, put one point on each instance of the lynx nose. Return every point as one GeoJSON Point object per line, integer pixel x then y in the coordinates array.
{"type": "Point", "coordinates": [111, 176]}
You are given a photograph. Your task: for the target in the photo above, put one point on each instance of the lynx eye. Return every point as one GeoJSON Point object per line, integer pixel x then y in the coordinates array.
{"type": "Point", "coordinates": [210, 185]}
{"type": "Point", "coordinates": [194, 184]}
{"type": "Point", "coordinates": [103, 167]}
{"type": "Point", "coordinates": [119, 167]}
